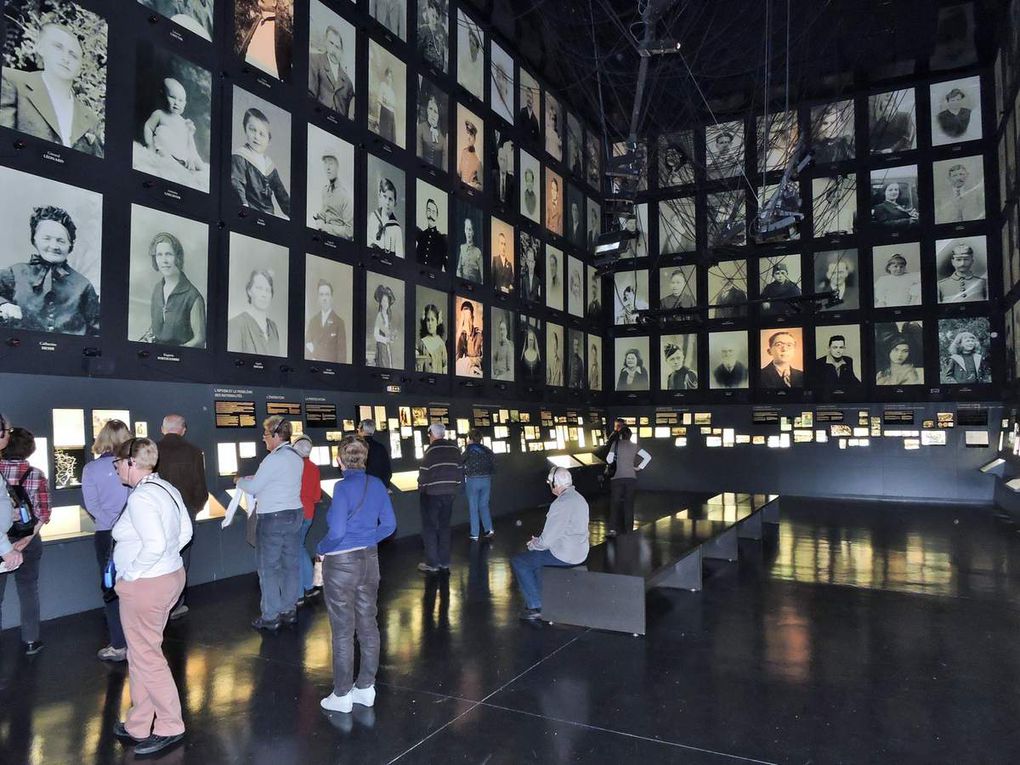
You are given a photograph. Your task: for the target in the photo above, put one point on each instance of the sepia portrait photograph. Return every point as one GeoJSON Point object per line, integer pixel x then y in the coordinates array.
{"type": "Point", "coordinates": [834, 205]}
{"type": "Point", "coordinates": [678, 288]}
{"type": "Point", "coordinates": [53, 73]}
{"type": "Point", "coordinates": [961, 266]}
{"type": "Point", "coordinates": [779, 281]}
{"type": "Point", "coordinates": [577, 373]}
{"type": "Point", "coordinates": [778, 141]}
{"type": "Point", "coordinates": [837, 272]}
{"type": "Point", "coordinates": [51, 266]}
{"type": "Point", "coordinates": [631, 355]}
{"type": "Point", "coordinates": [332, 56]}
{"type": "Point", "coordinates": [469, 346]}
{"type": "Point", "coordinates": [384, 321]}
{"type": "Point", "coordinates": [575, 286]}
{"type": "Point", "coordinates": [832, 132]}
{"type": "Point", "coordinates": [432, 127]}
{"type": "Point", "coordinates": [678, 362]}
{"type": "Point", "coordinates": [728, 360]}
{"type": "Point", "coordinates": [555, 128]}
{"type": "Point", "coordinates": [502, 256]}
{"type": "Point", "coordinates": [257, 290]}
{"type": "Point", "coordinates": [630, 295]}
{"type": "Point", "coordinates": [260, 169]}
{"type": "Point", "coordinates": [529, 119]}
{"type": "Point", "coordinates": [724, 150]}
{"type": "Point", "coordinates": [593, 310]}
{"type": "Point", "coordinates": [430, 342]}
{"type": "Point", "coordinates": [531, 189]}
{"type": "Point", "coordinates": [502, 83]}
{"type": "Point", "coordinates": [387, 89]}
{"type": "Point", "coordinates": [501, 166]}
{"type": "Point", "coordinates": [892, 122]}
{"type": "Point", "coordinates": [554, 355]}
{"type": "Point", "coordinates": [781, 355]}
{"type": "Point", "coordinates": [553, 202]}
{"type": "Point", "coordinates": [726, 218]}
{"type": "Point", "coordinates": [677, 226]}
{"type": "Point", "coordinates": [434, 33]}
{"type": "Point", "coordinates": [676, 158]}
{"type": "Point", "coordinates": [838, 362]}
{"type": "Point", "coordinates": [470, 148]}
{"type": "Point", "coordinates": [531, 267]}
{"type": "Point", "coordinates": [264, 35]}
{"type": "Point", "coordinates": [899, 353]}
{"type": "Point", "coordinates": [575, 223]}
{"type": "Point", "coordinates": [959, 188]}
{"type": "Point", "coordinates": [469, 238]}
{"type": "Point", "coordinates": [956, 111]}
{"type": "Point", "coordinates": [575, 146]}
{"type": "Point", "coordinates": [593, 157]}
{"type": "Point", "coordinates": [328, 310]}
{"type": "Point", "coordinates": [169, 278]}
{"type": "Point", "coordinates": [965, 347]}
{"type": "Point", "coordinates": [197, 16]}
{"type": "Point", "coordinates": [503, 354]}
{"type": "Point", "coordinates": [431, 214]}
{"type": "Point", "coordinates": [172, 118]}
{"type": "Point", "coordinates": [727, 289]}
{"type": "Point", "coordinates": [894, 198]}
{"type": "Point", "coordinates": [555, 269]}
{"type": "Point", "coordinates": [386, 194]}
{"type": "Point", "coordinates": [470, 56]}
{"type": "Point", "coordinates": [897, 275]}
{"type": "Point", "coordinates": [531, 353]}
{"type": "Point", "coordinates": [392, 14]}
{"type": "Point", "coordinates": [594, 343]}
{"type": "Point", "coordinates": [329, 204]}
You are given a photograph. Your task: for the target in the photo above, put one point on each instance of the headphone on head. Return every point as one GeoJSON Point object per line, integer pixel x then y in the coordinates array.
{"type": "Point", "coordinates": [551, 479]}
{"type": "Point", "coordinates": [131, 451]}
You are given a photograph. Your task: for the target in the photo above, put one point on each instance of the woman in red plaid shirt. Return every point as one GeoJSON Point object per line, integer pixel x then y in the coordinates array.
{"type": "Point", "coordinates": [14, 467]}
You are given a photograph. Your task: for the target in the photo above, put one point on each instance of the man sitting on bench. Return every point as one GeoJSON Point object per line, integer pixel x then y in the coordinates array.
{"type": "Point", "coordinates": [563, 542]}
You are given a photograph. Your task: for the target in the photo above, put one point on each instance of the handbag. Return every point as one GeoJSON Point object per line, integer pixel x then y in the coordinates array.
{"type": "Point", "coordinates": [23, 524]}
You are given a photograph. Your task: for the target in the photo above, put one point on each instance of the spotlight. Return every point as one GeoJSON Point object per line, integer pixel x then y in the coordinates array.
{"type": "Point", "coordinates": [143, 354]}
{"type": "Point", "coordinates": [239, 362]}
{"type": "Point", "coordinates": [91, 352]}
{"type": "Point", "coordinates": [285, 368]}
{"type": "Point", "coordinates": [13, 342]}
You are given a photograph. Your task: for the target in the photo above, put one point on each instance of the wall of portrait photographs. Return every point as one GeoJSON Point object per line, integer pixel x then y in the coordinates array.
{"type": "Point", "coordinates": [188, 208]}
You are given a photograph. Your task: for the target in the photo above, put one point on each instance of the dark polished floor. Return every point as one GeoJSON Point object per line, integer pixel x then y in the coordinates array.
{"type": "Point", "coordinates": [866, 633]}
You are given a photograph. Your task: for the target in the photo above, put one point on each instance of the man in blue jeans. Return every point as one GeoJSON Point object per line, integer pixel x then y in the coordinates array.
{"type": "Point", "coordinates": [479, 465]}
{"type": "Point", "coordinates": [563, 542]}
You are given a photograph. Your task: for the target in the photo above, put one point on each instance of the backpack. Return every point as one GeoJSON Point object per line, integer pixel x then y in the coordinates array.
{"type": "Point", "coordinates": [24, 516]}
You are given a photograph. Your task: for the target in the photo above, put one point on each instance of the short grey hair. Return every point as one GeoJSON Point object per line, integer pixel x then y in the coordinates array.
{"type": "Point", "coordinates": [562, 478]}
{"type": "Point", "coordinates": [437, 429]}
{"type": "Point", "coordinates": [302, 445]}
{"type": "Point", "coordinates": [174, 423]}
{"type": "Point", "coordinates": [367, 427]}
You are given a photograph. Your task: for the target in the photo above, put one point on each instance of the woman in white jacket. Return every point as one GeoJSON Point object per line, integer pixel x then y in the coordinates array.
{"type": "Point", "coordinates": [148, 539]}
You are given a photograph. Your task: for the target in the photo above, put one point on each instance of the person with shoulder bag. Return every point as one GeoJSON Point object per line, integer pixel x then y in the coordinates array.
{"type": "Point", "coordinates": [623, 481]}
{"type": "Point", "coordinates": [10, 559]}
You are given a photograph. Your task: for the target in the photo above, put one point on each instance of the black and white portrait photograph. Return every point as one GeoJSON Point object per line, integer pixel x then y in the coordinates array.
{"type": "Point", "coordinates": [678, 362]}
{"type": "Point", "coordinates": [834, 204]}
{"type": "Point", "coordinates": [961, 266]}
{"type": "Point", "coordinates": [434, 33]}
{"type": "Point", "coordinates": [501, 165]}
{"type": "Point", "coordinates": [555, 276]}
{"type": "Point", "coordinates": [431, 244]}
{"type": "Point", "coordinates": [197, 16]}
{"type": "Point", "coordinates": [51, 266]}
{"type": "Point", "coordinates": [172, 119]}
{"type": "Point", "coordinates": [779, 281]}
{"type": "Point", "coordinates": [899, 353]}
{"type": "Point", "coordinates": [593, 309]}
{"type": "Point", "coordinates": [781, 358]}
{"type": "Point", "coordinates": [392, 14]}
{"type": "Point", "coordinates": [575, 223]}
{"type": "Point", "coordinates": [777, 143]}
{"type": "Point", "coordinates": [554, 202]}
{"type": "Point", "coordinates": [503, 353]}
{"type": "Point", "coordinates": [832, 132]}
{"type": "Point", "coordinates": [837, 271]}
{"type": "Point", "coordinates": [384, 321]}
{"type": "Point", "coordinates": [387, 88]}
{"type": "Point", "coordinates": [965, 347]}
{"type": "Point", "coordinates": [678, 288]}
{"type": "Point", "coordinates": [329, 319]}
{"type": "Point", "coordinates": [897, 275]}
{"type": "Point", "coordinates": [432, 328]}
{"type": "Point", "coordinates": [502, 256]}
{"type": "Point", "coordinates": [470, 56]}
{"type": "Point", "coordinates": [469, 340]}
{"type": "Point", "coordinates": [530, 350]}
{"type": "Point", "coordinates": [637, 226]}
{"type": "Point", "coordinates": [956, 111]}
{"type": "Point", "coordinates": [954, 36]}
{"type": "Point", "coordinates": [532, 267]}
{"type": "Point", "coordinates": [53, 78]}
{"type": "Point", "coordinates": [502, 83]}
{"type": "Point", "coordinates": [555, 355]}
{"type": "Point", "coordinates": [330, 191]}
{"type": "Point", "coordinates": [677, 225]}
{"type": "Point", "coordinates": [676, 158]}
{"type": "Point", "coordinates": [332, 56]}
{"type": "Point", "coordinates": [639, 155]}
{"type": "Point", "coordinates": [594, 227]}
{"type": "Point", "coordinates": [386, 193]}
{"type": "Point", "coordinates": [257, 290]}
{"type": "Point", "coordinates": [469, 238]}
{"type": "Point", "coordinates": [555, 130]}
{"type": "Point", "coordinates": [892, 122]}
{"type": "Point", "coordinates": [594, 343]}
{"type": "Point", "coordinates": [264, 35]}
{"type": "Point", "coordinates": [169, 279]}
{"type": "Point", "coordinates": [959, 187]}
{"type": "Point", "coordinates": [260, 170]}
{"type": "Point", "coordinates": [529, 118]}
{"type": "Point", "coordinates": [470, 148]}
{"type": "Point", "coordinates": [727, 360]}
{"type": "Point", "coordinates": [726, 218]}
{"type": "Point", "coordinates": [894, 198]}
{"type": "Point", "coordinates": [630, 295]}
{"type": "Point", "coordinates": [593, 159]}
{"type": "Point", "coordinates": [575, 286]}
{"type": "Point", "coordinates": [531, 188]}
{"type": "Point", "coordinates": [631, 355]}
{"type": "Point", "coordinates": [432, 129]}
{"type": "Point", "coordinates": [577, 372]}
{"type": "Point", "coordinates": [575, 146]}
{"type": "Point", "coordinates": [837, 362]}
{"type": "Point", "coordinates": [727, 289]}
{"type": "Point", "coordinates": [785, 201]}
{"type": "Point", "coordinates": [724, 149]}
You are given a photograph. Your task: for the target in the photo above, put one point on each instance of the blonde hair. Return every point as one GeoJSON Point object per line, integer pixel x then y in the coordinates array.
{"type": "Point", "coordinates": [353, 452]}
{"type": "Point", "coordinates": [112, 435]}
{"type": "Point", "coordinates": [278, 425]}
{"type": "Point", "coordinates": [142, 453]}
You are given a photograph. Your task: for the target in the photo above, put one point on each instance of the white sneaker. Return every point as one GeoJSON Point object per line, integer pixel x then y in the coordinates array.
{"type": "Point", "coordinates": [334, 703]}
{"type": "Point", "coordinates": [363, 696]}
{"type": "Point", "coordinates": [112, 654]}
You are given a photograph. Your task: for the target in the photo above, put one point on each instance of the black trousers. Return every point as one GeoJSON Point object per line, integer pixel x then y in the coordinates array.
{"type": "Point", "coordinates": [103, 541]}
{"type": "Point", "coordinates": [26, 577]}
{"type": "Point", "coordinates": [436, 510]}
{"type": "Point", "coordinates": [621, 504]}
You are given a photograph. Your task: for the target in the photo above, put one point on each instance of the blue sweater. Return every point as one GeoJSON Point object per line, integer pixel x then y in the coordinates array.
{"type": "Point", "coordinates": [372, 523]}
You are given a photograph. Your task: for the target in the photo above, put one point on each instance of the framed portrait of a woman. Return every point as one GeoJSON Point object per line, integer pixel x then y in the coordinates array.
{"type": "Point", "coordinates": [258, 284]}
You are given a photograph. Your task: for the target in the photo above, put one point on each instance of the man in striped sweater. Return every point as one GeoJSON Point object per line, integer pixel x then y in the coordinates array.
{"type": "Point", "coordinates": [439, 480]}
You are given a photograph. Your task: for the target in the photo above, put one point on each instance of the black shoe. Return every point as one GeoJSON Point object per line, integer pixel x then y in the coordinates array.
{"type": "Point", "coordinates": [155, 743]}
{"type": "Point", "coordinates": [121, 732]}
{"type": "Point", "coordinates": [265, 624]}
{"type": "Point", "coordinates": [300, 602]}
{"type": "Point", "coordinates": [33, 647]}
{"type": "Point", "coordinates": [289, 618]}
{"type": "Point", "coordinates": [312, 593]}
{"type": "Point", "coordinates": [530, 614]}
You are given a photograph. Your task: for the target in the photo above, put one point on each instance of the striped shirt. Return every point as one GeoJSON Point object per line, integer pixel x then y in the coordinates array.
{"type": "Point", "coordinates": [441, 471]}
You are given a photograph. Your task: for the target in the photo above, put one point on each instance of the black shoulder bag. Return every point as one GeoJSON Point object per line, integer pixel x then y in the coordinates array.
{"type": "Point", "coordinates": [23, 522]}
